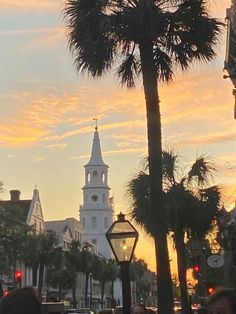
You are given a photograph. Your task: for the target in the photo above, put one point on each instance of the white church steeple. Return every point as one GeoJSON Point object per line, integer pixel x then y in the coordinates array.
{"type": "Point", "coordinates": [96, 155]}
{"type": "Point", "coordinates": [96, 213]}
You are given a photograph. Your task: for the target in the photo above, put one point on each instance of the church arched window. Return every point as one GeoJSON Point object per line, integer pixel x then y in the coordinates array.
{"type": "Point", "coordinates": [83, 222]}
{"type": "Point", "coordinates": [94, 222]}
{"type": "Point", "coordinates": [95, 173]}
{"type": "Point", "coordinates": [105, 222]}
{"type": "Point", "coordinates": [88, 177]}
{"type": "Point", "coordinates": [103, 177]}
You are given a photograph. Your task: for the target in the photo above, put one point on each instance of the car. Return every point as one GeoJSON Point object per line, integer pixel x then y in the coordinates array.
{"type": "Point", "coordinates": [81, 311]}
{"type": "Point", "coordinates": [151, 310]}
{"type": "Point", "coordinates": [85, 311]}
{"type": "Point", "coordinates": [177, 307]}
{"type": "Point", "coordinates": [119, 310]}
{"type": "Point", "coordinates": [106, 311]}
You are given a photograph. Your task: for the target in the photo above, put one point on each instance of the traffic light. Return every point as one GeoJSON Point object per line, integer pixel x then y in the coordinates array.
{"type": "Point", "coordinates": [18, 276]}
{"type": "Point", "coordinates": [196, 268]}
{"type": "Point", "coordinates": [197, 271]}
{"type": "Point", "coordinates": [210, 288]}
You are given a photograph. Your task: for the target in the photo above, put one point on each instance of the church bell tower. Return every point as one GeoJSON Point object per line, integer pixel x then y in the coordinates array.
{"type": "Point", "coordinates": [96, 213]}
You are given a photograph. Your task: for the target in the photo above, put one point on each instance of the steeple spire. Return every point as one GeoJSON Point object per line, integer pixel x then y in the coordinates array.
{"type": "Point", "coordinates": [96, 123]}
{"type": "Point", "coordinates": [96, 155]}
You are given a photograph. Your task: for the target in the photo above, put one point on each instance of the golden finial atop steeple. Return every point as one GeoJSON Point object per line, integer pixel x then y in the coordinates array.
{"type": "Point", "coordinates": [96, 123]}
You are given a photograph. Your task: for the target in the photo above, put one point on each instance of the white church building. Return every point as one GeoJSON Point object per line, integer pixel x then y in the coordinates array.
{"type": "Point", "coordinates": [96, 213]}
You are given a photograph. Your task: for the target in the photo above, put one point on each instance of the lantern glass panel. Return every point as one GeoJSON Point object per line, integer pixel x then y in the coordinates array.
{"type": "Point", "coordinates": [122, 227]}
{"type": "Point", "coordinates": [123, 248]}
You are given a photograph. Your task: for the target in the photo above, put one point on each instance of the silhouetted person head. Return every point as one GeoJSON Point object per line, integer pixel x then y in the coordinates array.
{"type": "Point", "coordinates": [138, 308]}
{"type": "Point", "coordinates": [20, 301]}
{"type": "Point", "coordinates": [223, 300]}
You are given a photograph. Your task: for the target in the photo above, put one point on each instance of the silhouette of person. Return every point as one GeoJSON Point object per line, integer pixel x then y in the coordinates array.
{"type": "Point", "coordinates": [138, 308]}
{"type": "Point", "coordinates": [20, 301]}
{"type": "Point", "coordinates": [222, 301]}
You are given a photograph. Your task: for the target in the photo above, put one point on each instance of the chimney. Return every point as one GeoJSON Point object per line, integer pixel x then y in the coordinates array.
{"type": "Point", "coordinates": [15, 195]}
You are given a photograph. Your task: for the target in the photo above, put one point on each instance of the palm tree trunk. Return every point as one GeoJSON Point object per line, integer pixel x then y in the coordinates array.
{"type": "Point", "coordinates": [102, 294]}
{"type": "Point", "coordinates": [165, 293]}
{"type": "Point", "coordinates": [74, 285]}
{"type": "Point", "coordinates": [59, 291]}
{"type": "Point", "coordinates": [35, 275]}
{"type": "Point", "coordinates": [86, 289]}
{"type": "Point", "coordinates": [40, 283]}
{"type": "Point", "coordinates": [181, 261]}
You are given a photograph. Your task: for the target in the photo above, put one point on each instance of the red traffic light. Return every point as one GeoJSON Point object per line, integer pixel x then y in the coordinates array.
{"type": "Point", "coordinates": [196, 268]}
{"type": "Point", "coordinates": [210, 289]}
{"type": "Point", "coordinates": [18, 275]}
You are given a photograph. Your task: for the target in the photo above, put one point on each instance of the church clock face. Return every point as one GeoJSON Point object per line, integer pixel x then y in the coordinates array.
{"type": "Point", "coordinates": [94, 198]}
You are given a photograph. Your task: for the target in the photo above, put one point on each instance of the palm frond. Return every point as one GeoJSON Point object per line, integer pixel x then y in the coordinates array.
{"type": "Point", "coordinates": [163, 65]}
{"type": "Point", "coordinates": [202, 171]}
{"type": "Point", "coordinates": [128, 70]}
{"type": "Point", "coordinates": [169, 166]}
{"type": "Point", "coordinates": [192, 34]}
{"type": "Point", "coordinates": [88, 37]}
{"type": "Point", "coordinates": [138, 192]}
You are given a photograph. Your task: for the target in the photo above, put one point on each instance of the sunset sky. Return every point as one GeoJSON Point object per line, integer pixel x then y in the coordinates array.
{"type": "Point", "coordinates": [47, 111]}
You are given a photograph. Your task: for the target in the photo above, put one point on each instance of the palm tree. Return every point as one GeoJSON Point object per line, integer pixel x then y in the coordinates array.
{"type": "Point", "coordinates": [147, 38]}
{"type": "Point", "coordinates": [191, 203]}
{"type": "Point", "coordinates": [137, 270]}
{"type": "Point", "coordinates": [86, 264]}
{"type": "Point", "coordinates": [73, 264]}
{"type": "Point", "coordinates": [112, 276]}
{"type": "Point", "coordinates": [38, 253]}
{"type": "Point", "coordinates": [31, 249]}
{"type": "Point", "coordinates": [104, 270]}
{"type": "Point", "coordinates": [100, 273]}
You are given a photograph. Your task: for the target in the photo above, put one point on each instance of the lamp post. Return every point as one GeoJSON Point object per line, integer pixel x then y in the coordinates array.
{"type": "Point", "coordinates": [90, 291]}
{"type": "Point", "coordinates": [122, 238]}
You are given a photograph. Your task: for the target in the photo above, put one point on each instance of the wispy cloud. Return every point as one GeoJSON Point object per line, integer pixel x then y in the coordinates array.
{"type": "Point", "coordinates": [30, 31]}
{"type": "Point", "coordinates": [115, 152]}
{"type": "Point", "coordinates": [216, 6]}
{"type": "Point", "coordinates": [34, 117]}
{"type": "Point", "coordinates": [197, 140]}
{"type": "Point", "coordinates": [61, 146]}
{"type": "Point", "coordinates": [50, 38]}
{"type": "Point", "coordinates": [116, 125]}
{"type": "Point", "coordinates": [38, 159]}
{"type": "Point", "coordinates": [30, 5]}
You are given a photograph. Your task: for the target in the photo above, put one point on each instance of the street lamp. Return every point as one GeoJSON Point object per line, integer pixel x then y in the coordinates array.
{"type": "Point", "coordinates": [122, 238]}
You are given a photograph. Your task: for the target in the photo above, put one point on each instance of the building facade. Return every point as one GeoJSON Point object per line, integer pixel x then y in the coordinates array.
{"type": "Point", "coordinates": [230, 59]}
{"type": "Point", "coordinates": [31, 213]}
{"type": "Point", "coordinates": [66, 231]}
{"type": "Point", "coordinates": [96, 213]}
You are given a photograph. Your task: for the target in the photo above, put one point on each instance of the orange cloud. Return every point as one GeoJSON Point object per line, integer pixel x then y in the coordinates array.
{"type": "Point", "coordinates": [211, 138]}
{"type": "Point", "coordinates": [229, 195]}
{"type": "Point", "coordinates": [218, 8]}
{"type": "Point", "coordinates": [34, 117]}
